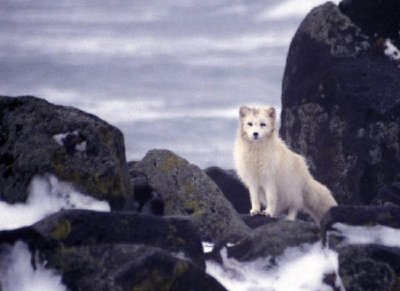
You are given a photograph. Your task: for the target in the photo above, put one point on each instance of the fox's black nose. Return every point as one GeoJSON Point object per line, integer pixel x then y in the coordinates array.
{"type": "Point", "coordinates": [255, 134]}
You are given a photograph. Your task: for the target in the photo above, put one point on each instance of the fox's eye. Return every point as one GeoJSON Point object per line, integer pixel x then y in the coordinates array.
{"type": "Point", "coordinates": [262, 124]}
{"type": "Point", "coordinates": [249, 123]}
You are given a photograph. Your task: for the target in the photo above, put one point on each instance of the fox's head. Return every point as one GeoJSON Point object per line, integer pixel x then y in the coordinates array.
{"type": "Point", "coordinates": [257, 124]}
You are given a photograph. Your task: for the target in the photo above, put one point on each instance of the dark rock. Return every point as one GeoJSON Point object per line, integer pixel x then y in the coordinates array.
{"type": "Point", "coordinates": [341, 106]}
{"type": "Point", "coordinates": [233, 189]}
{"type": "Point", "coordinates": [362, 216]}
{"type": "Point", "coordinates": [90, 153]}
{"type": "Point", "coordinates": [357, 216]}
{"type": "Point", "coordinates": [154, 206]}
{"type": "Point", "coordinates": [389, 194]}
{"type": "Point", "coordinates": [117, 251]}
{"type": "Point", "coordinates": [120, 267]}
{"type": "Point", "coordinates": [187, 190]}
{"type": "Point", "coordinates": [369, 267]}
{"type": "Point", "coordinates": [272, 240]}
{"type": "Point", "coordinates": [257, 220]}
{"type": "Point", "coordinates": [146, 199]}
{"type": "Point", "coordinates": [378, 19]}
{"type": "Point", "coordinates": [82, 227]}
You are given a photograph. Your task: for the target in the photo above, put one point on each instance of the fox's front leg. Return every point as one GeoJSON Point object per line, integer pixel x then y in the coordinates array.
{"type": "Point", "coordinates": [272, 201]}
{"type": "Point", "coordinates": [255, 200]}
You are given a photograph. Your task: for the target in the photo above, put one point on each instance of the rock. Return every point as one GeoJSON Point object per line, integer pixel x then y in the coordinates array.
{"type": "Point", "coordinates": [257, 220]}
{"type": "Point", "coordinates": [233, 189]}
{"type": "Point", "coordinates": [341, 106]}
{"type": "Point", "coordinates": [369, 267]}
{"type": "Point", "coordinates": [117, 251]}
{"type": "Point", "coordinates": [273, 239]}
{"type": "Point", "coordinates": [37, 137]}
{"type": "Point", "coordinates": [187, 190]}
{"type": "Point", "coordinates": [367, 216]}
{"type": "Point", "coordinates": [82, 227]}
{"type": "Point", "coordinates": [362, 216]}
{"type": "Point", "coordinates": [378, 19]}
{"type": "Point", "coordinates": [389, 194]}
{"type": "Point", "coordinates": [146, 199]}
{"type": "Point", "coordinates": [120, 267]}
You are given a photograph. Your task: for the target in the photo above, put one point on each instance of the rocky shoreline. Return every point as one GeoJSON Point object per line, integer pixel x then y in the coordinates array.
{"type": "Point", "coordinates": [341, 107]}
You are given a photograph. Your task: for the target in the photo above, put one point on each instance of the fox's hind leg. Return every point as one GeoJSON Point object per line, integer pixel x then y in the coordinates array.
{"type": "Point", "coordinates": [292, 214]}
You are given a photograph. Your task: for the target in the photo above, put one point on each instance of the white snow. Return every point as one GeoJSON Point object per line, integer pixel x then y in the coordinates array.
{"type": "Point", "coordinates": [47, 195]}
{"type": "Point", "coordinates": [392, 51]}
{"type": "Point", "coordinates": [59, 138]}
{"type": "Point", "coordinates": [376, 234]}
{"type": "Point", "coordinates": [207, 247]}
{"type": "Point", "coordinates": [299, 268]}
{"type": "Point", "coordinates": [17, 273]}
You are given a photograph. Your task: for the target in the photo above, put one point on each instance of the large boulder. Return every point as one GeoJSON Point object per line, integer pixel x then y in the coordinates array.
{"type": "Point", "coordinates": [378, 19]}
{"type": "Point", "coordinates": [37, 137]}
{"type": "Point", "coordinates": [341, 104]}
{"type": "Point", "coordinates": [187, 190]}
{"type": "Point", "coordinates": [117, 251]}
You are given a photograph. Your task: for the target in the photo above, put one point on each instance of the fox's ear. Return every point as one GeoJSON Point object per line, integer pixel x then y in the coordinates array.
{"type": "Point", "coordinates": [271, 112]}
{"type": "Point", "coordinates": [243, 111]}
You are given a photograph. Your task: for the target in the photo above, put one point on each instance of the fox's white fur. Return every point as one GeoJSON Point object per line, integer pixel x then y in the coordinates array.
{"type": "Point", "coordinates": [274, 175]}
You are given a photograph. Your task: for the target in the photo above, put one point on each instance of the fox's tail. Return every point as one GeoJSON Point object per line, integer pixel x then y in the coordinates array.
{"type": "Point", "coordinates": [317, 200]}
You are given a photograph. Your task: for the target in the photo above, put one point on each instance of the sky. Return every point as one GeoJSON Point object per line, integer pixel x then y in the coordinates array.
{"type": "Point", "coordinates": [169, 74]}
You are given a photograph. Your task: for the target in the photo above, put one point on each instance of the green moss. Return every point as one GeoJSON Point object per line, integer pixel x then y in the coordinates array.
{"type": "Point", "coordinates": [180, 269]}
{"type": "Point", "coordinates": [173, 237]}
{"type": "Point", "coordinates": [161, 281]}
{"type": "Point", "coordinates": [62, 230]}
{"type": "Point", "coordinates": [196, 207]}
{"type": "Point", "coordinates": [157, 281]}
{"type": "Point", "coordinates": [170, 163]}
{"type": "Point", "coordinates": [95, 184]}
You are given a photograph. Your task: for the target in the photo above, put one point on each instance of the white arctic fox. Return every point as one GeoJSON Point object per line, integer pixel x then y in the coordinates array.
{"type": "Point", "coordinates": [275, 175]}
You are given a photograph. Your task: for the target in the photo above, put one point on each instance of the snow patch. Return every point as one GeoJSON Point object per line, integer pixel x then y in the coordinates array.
{"type": "Point", "coordinates": [47, 195]}
{"type": "Point", "coordinates": [392, 51]}
{"type": "Point", "coordinates": [207, 247]}
{"type": "Point", "coordinates": [17, 272]}
{"type": "Point", "coordinates": [299, 268]}
{"type": "Point", "coordinates": [61, 139]}
{"type": "Point", "coordinates": [376, 234]}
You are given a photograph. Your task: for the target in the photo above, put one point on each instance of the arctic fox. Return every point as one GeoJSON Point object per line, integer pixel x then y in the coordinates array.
{"type": "Point", "coordinates": [274, 175]}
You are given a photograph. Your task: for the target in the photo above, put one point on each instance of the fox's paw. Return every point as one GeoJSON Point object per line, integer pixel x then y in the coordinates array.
{"type": "Point", "coordinates": [267, 213]}
{"type": "Point", "coordinates": [254, 211]}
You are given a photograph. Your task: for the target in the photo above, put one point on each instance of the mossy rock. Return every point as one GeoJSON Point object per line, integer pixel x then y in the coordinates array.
{"type": "Point", "coordinates": [187, 190]}
{"type": "Point", "coordinates": [75, 228]}
{"type": "Point", "coordinates": [120, 267]}
{"type": "Point", "coordinates": [38, 138]}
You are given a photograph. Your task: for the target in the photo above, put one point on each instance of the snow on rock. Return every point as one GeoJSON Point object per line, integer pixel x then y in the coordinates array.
{"type": "Point", "coordinates": [392, 51]}
{"type": "Point", "coordinates": [377, 234]}
{"type": "Point", "coordinates": [298, 268]}
{"type": "Point", "coordinates": [17, 272]}
{"type": "Point", "coordinates": [47, 195]}
{"type": "Point", "coordinates": [71, 139]}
